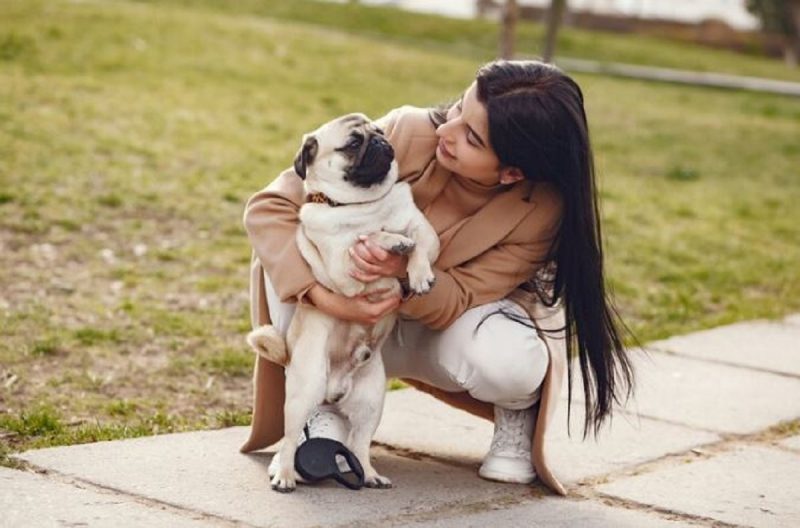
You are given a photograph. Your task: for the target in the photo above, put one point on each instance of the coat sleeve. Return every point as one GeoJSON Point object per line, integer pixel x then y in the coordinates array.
{"type": "Point", "coordinates": [413, 137]}
{"type": "Point", "coordinates": [492, 275]}
{"type": "Point", "coordinates": [271, 221]}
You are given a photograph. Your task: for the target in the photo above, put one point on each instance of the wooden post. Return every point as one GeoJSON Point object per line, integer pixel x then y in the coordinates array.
{"type": "Point", "coordinates": [508, 29]}
{"type": "Point", "coordinates": [552, 21]}
{"type": "Point", "coordinates": [792, 50]}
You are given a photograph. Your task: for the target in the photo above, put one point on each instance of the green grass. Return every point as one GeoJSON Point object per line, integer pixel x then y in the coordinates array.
{"type": "Point", "coordinates": [132, 133]}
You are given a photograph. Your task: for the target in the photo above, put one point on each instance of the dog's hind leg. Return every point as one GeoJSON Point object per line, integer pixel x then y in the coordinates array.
{"type": "Point", "coordinates": [363, 408]}
{"type": "Point", "coordinates": [305, 389]}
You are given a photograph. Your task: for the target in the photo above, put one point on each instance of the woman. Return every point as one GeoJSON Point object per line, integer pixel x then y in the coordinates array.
{"type": "Point", "coordinates": [506, 178]}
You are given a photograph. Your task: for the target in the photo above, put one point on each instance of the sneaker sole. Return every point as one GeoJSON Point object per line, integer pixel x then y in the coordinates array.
{"type": "Point", "coordinates": [500, 476]}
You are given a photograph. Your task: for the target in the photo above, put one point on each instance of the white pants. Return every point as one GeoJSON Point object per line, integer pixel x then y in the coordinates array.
{"type": "Point", "coordinates": [504, 362]}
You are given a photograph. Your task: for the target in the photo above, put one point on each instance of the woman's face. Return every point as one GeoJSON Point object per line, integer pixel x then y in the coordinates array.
{"type": "Point", "coordinates": [464, 142]}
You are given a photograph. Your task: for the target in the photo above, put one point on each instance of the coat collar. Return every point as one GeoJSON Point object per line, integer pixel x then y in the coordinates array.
{"type": "Point", "coordinates": [482, 230]}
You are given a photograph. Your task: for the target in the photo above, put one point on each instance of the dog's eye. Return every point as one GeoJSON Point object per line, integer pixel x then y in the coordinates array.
{"type": "Point", "coordinates": [354, 142]}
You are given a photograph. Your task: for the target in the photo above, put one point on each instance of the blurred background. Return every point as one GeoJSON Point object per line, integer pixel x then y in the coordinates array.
{"type": "Point", "coordinates": [133, 132]}
{"type": "Point", "coordinates": [768, 27]}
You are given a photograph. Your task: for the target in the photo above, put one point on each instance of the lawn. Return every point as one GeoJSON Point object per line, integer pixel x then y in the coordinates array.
{"type": "Point", "coordinates": [477, 39]}
{"type": "Point", "coordinates": [131, 134]}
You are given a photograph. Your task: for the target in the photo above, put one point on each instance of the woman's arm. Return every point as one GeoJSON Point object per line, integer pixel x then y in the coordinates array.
{"type": "Point", "coordinates": [488, 277]}
{"type": "Point", "coordinates": [358, 309]}
{"type": "Point", "coordinates": [271, 220]}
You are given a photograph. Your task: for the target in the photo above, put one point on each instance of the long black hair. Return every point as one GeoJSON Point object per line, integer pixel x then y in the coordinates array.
{"type": "Point", "coordinates": [537, 124]}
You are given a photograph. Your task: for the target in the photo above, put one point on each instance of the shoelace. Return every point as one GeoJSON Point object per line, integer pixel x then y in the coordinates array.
{"type": "Point", "coordinates": [509, 434]}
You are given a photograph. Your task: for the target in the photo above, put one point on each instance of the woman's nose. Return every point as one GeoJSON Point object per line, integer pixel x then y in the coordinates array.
{"type": "Point", "coordinates": [445, 130]}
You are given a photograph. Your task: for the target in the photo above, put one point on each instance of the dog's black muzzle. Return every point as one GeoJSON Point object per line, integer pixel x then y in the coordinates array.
{"type": "Point", "coordinates": [373, 163]}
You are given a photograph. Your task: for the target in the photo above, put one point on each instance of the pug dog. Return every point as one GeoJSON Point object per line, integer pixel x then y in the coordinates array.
{"type": "Point", "coordinates": [350, 179]}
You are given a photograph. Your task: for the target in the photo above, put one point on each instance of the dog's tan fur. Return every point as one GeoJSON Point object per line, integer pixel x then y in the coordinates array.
{"type": "Point", "coordinates": [327, 359]}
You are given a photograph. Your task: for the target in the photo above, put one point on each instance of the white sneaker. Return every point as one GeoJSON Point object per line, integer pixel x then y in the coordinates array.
{"type": "Point", "coordinates": [325, 422]}
{"type": "Point", "coordinates": [509, 457]}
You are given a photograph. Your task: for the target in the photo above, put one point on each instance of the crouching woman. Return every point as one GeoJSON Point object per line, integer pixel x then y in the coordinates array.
{"type": "Point", "coordinates": [505, 176]}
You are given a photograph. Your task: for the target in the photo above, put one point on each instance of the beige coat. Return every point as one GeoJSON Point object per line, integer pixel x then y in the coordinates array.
{"type": "Point", "coordinates": [492, 253]}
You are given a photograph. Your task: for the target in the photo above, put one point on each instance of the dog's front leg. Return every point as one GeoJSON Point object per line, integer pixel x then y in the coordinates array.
{"type": "Point", "coordinates": [363, 409]}
{"type": "Point", "coordinates": [305, 388]}
{"type": "Point", "coordinates": [392, 242]}
{"type": "Point", "coordinates": [426, 250]}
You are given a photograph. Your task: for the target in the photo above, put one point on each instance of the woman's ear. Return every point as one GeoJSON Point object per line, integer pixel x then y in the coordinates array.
{"type": "Point", "coordinates": [509, 175]}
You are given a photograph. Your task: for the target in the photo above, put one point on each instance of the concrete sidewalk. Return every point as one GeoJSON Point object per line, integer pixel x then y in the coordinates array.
{"type": "Point", "coordinates": [712, 439]}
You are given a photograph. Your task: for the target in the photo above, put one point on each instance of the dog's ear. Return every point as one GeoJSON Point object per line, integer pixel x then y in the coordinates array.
{"type": "Point", "coordinates": [305, 155]}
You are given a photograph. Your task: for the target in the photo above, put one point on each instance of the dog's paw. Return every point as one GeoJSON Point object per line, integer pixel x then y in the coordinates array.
{"type": "Point", "coordinates": [421, 279]}
{"type": "Point", "coordinates": [392, 242]}
{"type": "Point", "coordinates": [377, 482]}
{"type": "Point", "coordinates": [403, 248]}
{"type": "Point", "coordinates": [285, 480]}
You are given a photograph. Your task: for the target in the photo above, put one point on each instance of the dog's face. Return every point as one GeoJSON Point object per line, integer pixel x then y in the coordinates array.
{"type": "Point", "coordinates": [348, 159]}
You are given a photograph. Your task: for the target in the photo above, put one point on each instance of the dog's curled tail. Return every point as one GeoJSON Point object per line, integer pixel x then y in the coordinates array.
{"type": "Point", "coordinates": [269, 344]}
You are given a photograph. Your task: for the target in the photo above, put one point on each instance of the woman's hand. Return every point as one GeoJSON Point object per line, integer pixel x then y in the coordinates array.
{"type": "Point", "coordinates": [373, 262]}
{"type": "Point", "coordinates": [357, 309]}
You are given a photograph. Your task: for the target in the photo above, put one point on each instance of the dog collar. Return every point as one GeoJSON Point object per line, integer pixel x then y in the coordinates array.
{"type": "Point", "coordinates": [321, 198]}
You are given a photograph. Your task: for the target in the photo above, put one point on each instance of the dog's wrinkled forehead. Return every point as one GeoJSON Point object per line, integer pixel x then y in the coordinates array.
{"type": "Point", "coordinates": [354, 120]}
{"type": "Point", "coordinates": [352, 125]}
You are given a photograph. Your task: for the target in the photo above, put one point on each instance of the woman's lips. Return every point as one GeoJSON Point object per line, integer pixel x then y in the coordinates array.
{"type": "Point", "coordinates": [444, 150]}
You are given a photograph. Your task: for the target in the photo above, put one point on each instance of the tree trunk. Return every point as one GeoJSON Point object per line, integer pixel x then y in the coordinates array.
{"type": "Point", "coordinates": [790, 54]}
{"type": "Point", "coordinates": [552, 21]}
{"type": "Point", "coordinates": [482, 8]}
{"type": "Point", "coordinates": [791, 51]}
{"type": "Point", "coordinates": [509, 21]}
